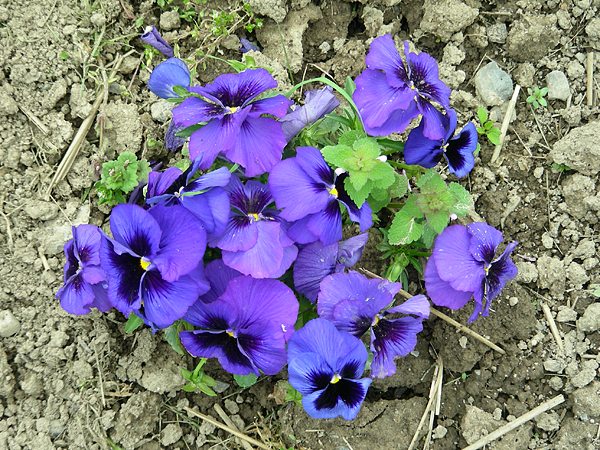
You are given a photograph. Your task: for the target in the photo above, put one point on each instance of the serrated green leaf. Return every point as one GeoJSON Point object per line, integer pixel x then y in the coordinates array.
{"type": "Point", "coordinates": [383, 175]}
{"type": "Point", "coordinates": [350, 137]}
{"type": "Point", "coordinates": [438, 220]}
{"type": "Point", "coordinates": [411, 206]}
{"type": "Point", "coordinates": [358, 196]}
{"type": "Point", "coordinates": [404, 229]}
{"type": "Point", "coordinates": [428, 236]}
{"type": "Point", "coordinates": [378, 199]}
{"type": "Point", "coordinates": [400, 186]}
{"type": "Point", "coordinates": [172, 337]}
{"type": "Point", "coordinates": [358, 179]}
{"type": "Point", "coordinates": [464, 201]}
{"type": "Point", "coordinates": [431, 181]}
{"type": "Point", "coordinates": [133, 323]}
{"type": "Point", "coordinates": [337, 155]}
{"type": "Point", "coordinates": [245, 380]}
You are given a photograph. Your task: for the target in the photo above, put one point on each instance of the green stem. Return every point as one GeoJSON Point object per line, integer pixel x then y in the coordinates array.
{"type": "Point", "coordinates": [395, 205]}
{"type": "Point", "coordinates": [334, 86]}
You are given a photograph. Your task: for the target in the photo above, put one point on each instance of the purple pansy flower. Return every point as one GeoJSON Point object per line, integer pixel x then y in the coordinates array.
{"type": "Point", "coordinates": [325, 365]}
{"type": "Point", "coordinates": [85, 281]}
{"type": "Point", "coordinates": [464, 264]}
{"type": "Point", "coordinates": [246, 328]}
{"type": "Point", "coordinates": [310, 193]}
{"type": "Point", "coordinates": [390, 93]}
{"type": "Point", "coordinates": [458, 150]}
{"type": "Point", "coordinates": [169, 73]}
{"type": "Point", "coordinates": [235, 125]}
{"type": "Point", "coordinates": [173, 187]}
{"type": "Point", "coordinates": [154, 262]}
{"type": "Point", "coordinates": [318, 103]}
{"type": "Point", "coordinates": [356, 304]}
{"type": "Point", "coordinates": [316, 261]}
{"type": "Point", "coordinates": [255, 241]}
{"type": "Point", "coordinates": [247, 46]}
{"type": "Point", "coordinates": [152, 37]}
{"type": "Point", "coordinates": [218, 275]}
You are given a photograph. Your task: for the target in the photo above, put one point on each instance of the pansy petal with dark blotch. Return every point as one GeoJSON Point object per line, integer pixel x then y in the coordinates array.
{"type": "Point", "coordinates": [134, 228]}
{"type": "Point", "coordinates": [76, 295]}
{"type": "Point", "coordinates": [484, 240]}
{"type": "Point", "coordinates": [264, 344]}
{"type": "Point", "coordinates": [459, 151]}
{"type": "Point", "coordinates": [314, 262]}
{"type": "Point", "coordinates": [421, 150]}
{"type": "Point", "coordinates": [423, 72]}
{"type": "Point", "coordinates": [237, 90]}
{"type": "Point", "coordinates": [87, 244]}
{"type": "Point", "coordinates": [391, 339]}
{"type": "Point", "coordinates": [383, 55]}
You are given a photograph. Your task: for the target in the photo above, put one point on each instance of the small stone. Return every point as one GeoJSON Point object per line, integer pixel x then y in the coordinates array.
{"type": "Point", "coordinates": [171, 434]}
{"type": "Point", "coordinates": [493, 84]}
{"type": "Point", "coordinates": [583, 378]}
{"type": "Point", "coordinates": [547, 240]}
{"type": "Point", "coordinates": [231, 406]}
{"type": "Point", "coordinates": [590, 321]}
{"type": "Point", "coordinates": [576, 274]}
{"type": "Point", "coordinates": [439, 432]}
{"type": "Point", "coordinates": [9, 325]}
{"type": "Point", "coordinates": [161, 110]}
{"type": "Point", "coordinates": [463, 341]}
{"type": "Point", "coordinates": [220, 387]}
{"type": "Point", "coordinates": [497, 414]}
{"type": "Point", "coordinates": [585, 249]}
{"type": "Point", "coordinates": [548, 421]}
{"type": "Point", "coordinates": [552, 365]}
{"type": "Point", "coordinates": [564, 21]}
{"type": "Point", "coordinates": [538, 172]}
{"type": "Point", "coordinates": [170, 20]}
{"type": "Point", "coordinates": [497, 33]}
{"type": "Point", "coordinates": [566, 314]}
{"type": "Point", "coordinates": [555, 383]}
{"type": "Point", "coordinates": [8, 105]}
{"type": "Point", "coordinates": [575, 70]}
{"type": "Point", "coordinates": [558, 86]}
{"type": "Point", "coordinates": [513, 301]}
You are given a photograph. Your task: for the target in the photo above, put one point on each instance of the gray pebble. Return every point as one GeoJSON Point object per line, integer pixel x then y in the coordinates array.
{"type": "Point", "coordinates": [552, 365]}
{"type": "Point", "coordinates": [493, 84]}
{"type": "Point", "coordinates": [590, 321]}
{"type": "Point", "coordinates": [558, 86]}
{"type": "Point", "coordinates": [497, 33]}
{"type": "Point", "coordinates": [9, 325]}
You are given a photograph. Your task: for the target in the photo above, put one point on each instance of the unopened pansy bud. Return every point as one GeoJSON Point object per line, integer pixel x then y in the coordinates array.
{"type": "Point", "coordinates": [247, 46]}
{"type": "Point", "coordinates": [152, 37]}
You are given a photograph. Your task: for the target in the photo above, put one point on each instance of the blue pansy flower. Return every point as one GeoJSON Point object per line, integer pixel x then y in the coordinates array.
{"type": "Point", "coordinates": [169, 73]}
{"type": "Point", "coordinates": [154, 262]}
{"type": "Point", "coordinates": [152, 37]}
{"type": "Point", "coordinates": [464, 264]}
{"type": "Point", "coordinates": [356, 304]}
{"type": "Point", "coordinates": [236, 126]}
{"type": "Point", "coordinates": [457, 150]}
{"type": "Point", "coordinates": [85, 281]}
{"type": "Point", "coordinates": [325, 366]}
{"type": "Point", "coordinates": [310, 193]}
{"type": "Point", "coordinates": [391, 92]}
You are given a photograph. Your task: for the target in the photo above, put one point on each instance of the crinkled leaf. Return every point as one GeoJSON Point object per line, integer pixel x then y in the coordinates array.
{"type": "Point", "coordinates": [379, 199]}
{"type": "Point", "coordinates": [405, 228]}
{"type": "Point", "coordinates": [464, 201]}
{"type": "Point", "coordinates": [350, 137]}
{"type": "Point", "coordinates": [358, 196]}
{"type": "Point", "coordinates": [383, 175]}
{"type": "Point", "coordinates": [400, 187]}
{"type": "Point", "coordinates": [245, 380]}
{"type": "Point", "coordinates": [431, 182]}
{"type": "Point", "coordinates": [358, 179]}
{"type": "Point", "coordinates": [438, 220]}
{"type": "Point", "coordinates": [337, 155]}
{"type": "Point", "coordinates": [429, 235]}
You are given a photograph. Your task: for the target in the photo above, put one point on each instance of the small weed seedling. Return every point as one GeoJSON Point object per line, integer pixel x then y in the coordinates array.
{"type": "Point", "coordinates": [536, 97]}
{"type": "Point", "coordinates": [199, 380]}
{"type": "Point", "coordinates": [120, 177]}
{"type": "Point", "coordinates": [487, 127]}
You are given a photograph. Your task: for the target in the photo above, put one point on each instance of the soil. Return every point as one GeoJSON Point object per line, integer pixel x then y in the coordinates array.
{"type": "Point", "coordinates": [82, 383]}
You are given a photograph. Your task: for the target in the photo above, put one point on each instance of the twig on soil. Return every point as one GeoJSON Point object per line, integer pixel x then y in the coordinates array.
{"type": "Point", "coordinates": [73, 150]}
{"type": "Point", "coordinates": [443, 316]}
{"type": "Point", "coordinates": [517, 422]}
{"type": "Point", "coordinates": [505, 123]}
{"type": "Point", "coordinates": [348, 443]}
{"type": "Point", "coordinates": [322, 71]}
{"type": "Point", "coordinates": [434, 393]}
{"type": "Point", "coordinates": [100, 382]}
{"type": "Point", "coordinates": [229, 423]}
{"type": "Point", "coordinates": [226, 428]}
{"type": "Point", "coordinates": [539, 128]}
{"type": "Point", "coordinates": [552, 325]}
{"type": "Point", "coordinates": [521, 141]}
{"type": "Point", "coordinates": [9, 237]}
{"type": "Point", "coordinates": [37, 122]}
{"type": "Point", "coordinates": [590, 79]}
{"type": "Point", "coordinates": [43, 259]}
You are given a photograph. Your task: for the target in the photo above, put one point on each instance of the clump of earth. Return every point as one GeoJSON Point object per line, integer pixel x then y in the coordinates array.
{"type": "Point", "coordinates": [83, 383]}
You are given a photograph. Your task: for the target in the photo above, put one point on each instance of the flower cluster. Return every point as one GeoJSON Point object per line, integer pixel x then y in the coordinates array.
{"type": "Point", "coordinates": [269, 217]}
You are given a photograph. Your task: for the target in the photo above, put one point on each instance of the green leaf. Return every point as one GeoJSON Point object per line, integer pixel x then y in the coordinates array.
{"type": "Point", "coordinates": [172, 337]}
{"type": "Point", "coordinates": [494, 138]}
{"type": "Point", "coordinates": [428, 236]}
{"type": "Point", "coordinates": [383, 175]}
{"type": "Point", "coordinates": [208, 391]}
{"type": "Point", "coordinates": [181, 91]}
{"type": "Point", "coordinates": [378, 199]}
{"type": "Point", "coordinates": [400, 187]}
{"type": "Point", "coordinates": [337, 155]}
{"type": "Point", "coordinates": [482, 114]}
{"type": "Point", "coordinates": [186, 374]}
{"type": "Point", "coordinates": [292, 395]}
{"type": "Point", "coordinates": [187, 132]}
{"type": "Point", "coordinates": [405, 228]}
{"type": "Point", "coordinates": [431, 181]}
{"type": "Point", "coordinates": [133, 323]}
{"type": "Point", "coordinates": [190, 387]}
{"type": "Point", "coordinates": [438, 220]}
{"type": "Point", "coordinates": [245, 380]}
{"type": "Point", "coordinates": [396, 146]}
{"type": "Point", "coordinates": [358, 179]}
{"type": "Point", "coordinates": [350, 137]}
{"type": "Point", "coordinates": [543, 92]}
{"type": "Point", "coordinates": [542, 101]}
{"type": "Point", "coordinates": [350, 86]}
{"type": "Point", "coordinates": [358, 196]}
{"type": "Point", "coordinates": [464, 201]}
{"type": "Point", "coordinates": [488, 125]}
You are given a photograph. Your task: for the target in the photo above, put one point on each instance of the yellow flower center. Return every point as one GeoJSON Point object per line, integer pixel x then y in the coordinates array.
{"type": "Point", "coordinates": [254, 216]}
{"type": "Point", "coordinates": [334, 192]}
{"type": "Point", "coordinates": [335, 379]}
{"type": "Point", "coordinates": [144, 264]}
{"type": "Point", "coordinates": [230, 333]}
{"type": "Point", "coordinates": [233, 109]}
